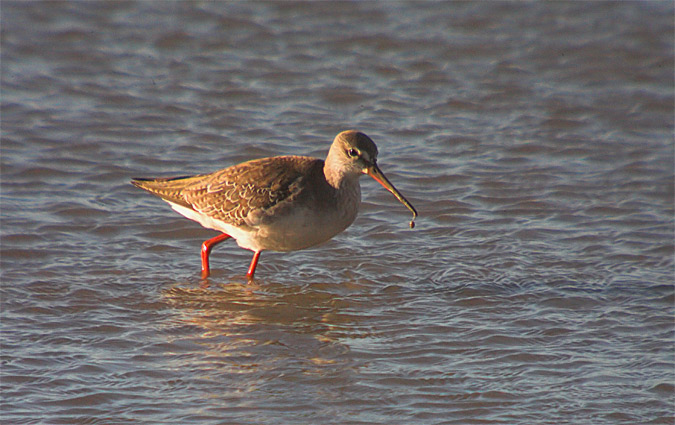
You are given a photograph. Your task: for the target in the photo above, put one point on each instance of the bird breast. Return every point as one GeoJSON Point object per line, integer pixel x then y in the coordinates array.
{"type": "Point", "coordinates": [309, 223]}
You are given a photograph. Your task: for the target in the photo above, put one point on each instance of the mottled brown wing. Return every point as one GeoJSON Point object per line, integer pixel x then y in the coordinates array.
{"type": "Point", "coordinates": [232, 194]}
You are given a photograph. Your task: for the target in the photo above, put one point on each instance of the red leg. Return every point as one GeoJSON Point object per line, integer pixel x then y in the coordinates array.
{"type": "Point", "coordinates": [254, 264]}
{"type": "Point", "coordinates": [206, 250]}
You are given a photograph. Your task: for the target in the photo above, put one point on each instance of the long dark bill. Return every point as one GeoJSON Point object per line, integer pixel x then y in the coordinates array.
{"type": "Point", "coordinates": [375, 172]}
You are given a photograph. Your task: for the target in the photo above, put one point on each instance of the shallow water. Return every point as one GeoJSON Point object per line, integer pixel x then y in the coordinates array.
{"type": "Point", "coordinates": [535, 140]}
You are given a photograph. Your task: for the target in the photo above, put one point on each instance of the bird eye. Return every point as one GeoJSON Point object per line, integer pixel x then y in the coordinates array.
{"type": "Point", "coordinates": [353, 153]}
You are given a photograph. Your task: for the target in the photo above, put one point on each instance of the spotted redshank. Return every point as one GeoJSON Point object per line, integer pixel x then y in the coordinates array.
{"type": "Point", "coordinates": [283, 203]}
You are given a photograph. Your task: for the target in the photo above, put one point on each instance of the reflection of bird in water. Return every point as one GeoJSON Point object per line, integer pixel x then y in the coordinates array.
{"type": "Point", "coordinates": [283, 203]}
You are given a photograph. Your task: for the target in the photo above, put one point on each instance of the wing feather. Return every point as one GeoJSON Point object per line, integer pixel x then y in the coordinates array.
{"type": "Point", "coordinates": [240, 193]}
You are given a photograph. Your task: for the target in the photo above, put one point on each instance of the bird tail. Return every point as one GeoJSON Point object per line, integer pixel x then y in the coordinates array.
{"type": "Point", "coordinates": [169, 189]}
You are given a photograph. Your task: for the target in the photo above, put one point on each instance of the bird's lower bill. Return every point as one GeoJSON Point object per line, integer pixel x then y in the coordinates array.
{"type": "Point", "coordinates": [375, 172]}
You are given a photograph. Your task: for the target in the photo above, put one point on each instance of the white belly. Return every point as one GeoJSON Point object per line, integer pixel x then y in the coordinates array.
{"type": "Point", "coordinates": [302, 228]}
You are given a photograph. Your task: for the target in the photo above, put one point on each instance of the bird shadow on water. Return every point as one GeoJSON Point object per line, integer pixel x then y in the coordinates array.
{"type": "Point", "coordinates": [262, 325]}
{"type": "Point", "coordinates": [322, 309]}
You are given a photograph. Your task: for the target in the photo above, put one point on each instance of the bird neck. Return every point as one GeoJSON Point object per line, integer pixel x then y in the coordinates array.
{"type": "Point", "coordinates": [336, 175]}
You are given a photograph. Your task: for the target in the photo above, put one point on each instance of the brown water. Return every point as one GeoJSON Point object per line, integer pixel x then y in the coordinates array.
{"type": "Point", "coordinates": [536, 141]}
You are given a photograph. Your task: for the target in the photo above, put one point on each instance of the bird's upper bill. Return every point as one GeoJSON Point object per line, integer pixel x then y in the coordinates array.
{"type": "Point", "coordinates": [374, 171]}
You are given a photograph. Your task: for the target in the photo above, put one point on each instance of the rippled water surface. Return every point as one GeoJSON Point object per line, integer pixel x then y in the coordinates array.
{"type": "Point", "coordinates": [535, 139]}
